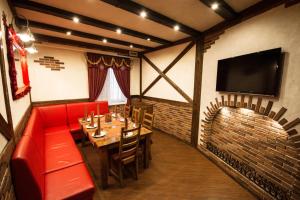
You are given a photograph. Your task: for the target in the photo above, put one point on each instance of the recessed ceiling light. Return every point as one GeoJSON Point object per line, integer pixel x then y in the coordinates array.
{"type": "Point", "coordinates": [143, 14]}
{"type": "Point", "coordinates": [119, 31]}
{"type": "Point", "coordinates": [131, 46]}
{"type": "Point", "coordinates": [215, 6]}
{"type": "Point", "coordinates": [76, 19]}
{"type": "Point", "coordinates": [148, 39]}
{"type": "Point", "coordinates": [176, 27]}
{"type": "Point", "coordinates": [68, 32]}
{"type": "Point", "coordinates": [104, 40]}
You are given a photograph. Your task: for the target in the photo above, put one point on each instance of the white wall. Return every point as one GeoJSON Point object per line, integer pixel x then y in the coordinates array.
{"type": "Point", "coordinates": [182, 74]}
{"type": "Point", "coordinates": [68, 83]}
{"type": "Point", "coordinates": [279, 27]}
{"type": "Point", "coordinates": [135, 77]}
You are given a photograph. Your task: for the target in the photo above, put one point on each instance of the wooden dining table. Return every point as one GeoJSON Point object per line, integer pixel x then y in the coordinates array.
{"type": "Point", "coordinates": [111, 141]}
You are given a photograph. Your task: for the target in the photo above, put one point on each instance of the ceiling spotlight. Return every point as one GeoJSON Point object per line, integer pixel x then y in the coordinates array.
{"type": "Point", "coordinates": [143, 14]}
{"type": "Point", "coordinates": [104, 40]}
{"type": "Point", "coordinates": [148, 39]}
{"type": "Point", "coordinates": [68, 32]}
{"type": "Point", "coordinates": [131, 46]}
{"type": "Point", "coordinates": [215, 6]}
{"type": "Point", "coordinates": [176, 27]}
{"type": "Point", "coordinates": [76, 19]}
{"type": "Point", "coordinates": [119, 31]}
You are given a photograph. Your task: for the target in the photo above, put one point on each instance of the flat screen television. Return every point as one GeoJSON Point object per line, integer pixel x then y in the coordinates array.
{"type": "Point", "coordinates": [256, 73]}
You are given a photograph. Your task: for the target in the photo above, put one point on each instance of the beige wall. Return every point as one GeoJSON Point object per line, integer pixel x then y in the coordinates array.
{"type": "Point", "coordinates": [135, 77]}
{"type": "Point", "coordinates": [279, 27]}
{"type": "Point", "coordinates": [182, 73]}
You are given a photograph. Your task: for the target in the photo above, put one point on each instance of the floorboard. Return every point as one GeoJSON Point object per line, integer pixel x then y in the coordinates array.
{"type": "Point", "coordinates": [177, 171]}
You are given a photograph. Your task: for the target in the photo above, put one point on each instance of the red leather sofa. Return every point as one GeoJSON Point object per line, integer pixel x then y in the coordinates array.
{"type": "Point", "coordinates": [46, 163]}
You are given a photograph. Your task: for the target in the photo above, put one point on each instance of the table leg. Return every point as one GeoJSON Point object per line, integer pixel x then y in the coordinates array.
{"type": "Point", "coordinates": [103, 154]}
{"type": "Point", "coordinates": [147, 151]}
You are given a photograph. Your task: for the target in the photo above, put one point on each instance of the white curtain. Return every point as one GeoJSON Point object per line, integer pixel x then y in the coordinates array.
{"type": "Point", "coordinates": [111, 91]}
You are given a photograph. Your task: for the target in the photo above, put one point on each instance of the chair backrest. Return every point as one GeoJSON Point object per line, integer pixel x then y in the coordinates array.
{"type": "Point", "coordinates": [136, 115]}
{"type": "Point", "coordinates": [128, 148]}
{"type": "Point", "coordinates": [148, 120]}
{"type": "Point", "coordinates": [126, 111]}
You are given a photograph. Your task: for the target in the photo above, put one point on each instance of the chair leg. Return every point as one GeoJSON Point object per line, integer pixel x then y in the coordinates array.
{"type": "Point", "coordinates": [121, 174]}
{"type": "Point", "coordinates": [136, 168]}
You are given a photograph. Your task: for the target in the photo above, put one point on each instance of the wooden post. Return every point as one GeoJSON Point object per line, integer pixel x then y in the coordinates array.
{"type": "Point", "coordinates": [197, 91]}
{"type": "Point", "coordinates": [141, 76]}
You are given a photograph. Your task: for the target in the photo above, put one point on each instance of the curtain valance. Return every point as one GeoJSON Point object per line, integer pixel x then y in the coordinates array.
{"type": "Point", "coordinates": [108, 61]}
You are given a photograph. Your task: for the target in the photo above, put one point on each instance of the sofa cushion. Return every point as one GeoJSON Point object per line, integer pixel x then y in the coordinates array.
{"type": "Point", "coordinates": [53, 116]}
{"type": "Point", "coordinates": [55, 129]}
{"type": "Point", "coordinates": [75, 127]}
{"type": "Point", "coordinates": [27, 170]}
{"type": "Point", "coordinates": [60, 151]}
{"type": "Point", "coordinates": [75, 111]}
{"type": "Point", "coordinates": [69, 183]}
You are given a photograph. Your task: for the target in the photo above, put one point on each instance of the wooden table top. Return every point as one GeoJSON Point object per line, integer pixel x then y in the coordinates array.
{"type": "Point", "coordinates": [112, 129]}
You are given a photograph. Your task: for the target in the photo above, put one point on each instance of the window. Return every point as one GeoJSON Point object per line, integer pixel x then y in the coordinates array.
{"type": "Point", "coordinates": [111, 91]}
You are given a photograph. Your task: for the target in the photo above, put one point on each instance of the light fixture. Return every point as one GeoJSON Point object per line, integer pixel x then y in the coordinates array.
{"type": "Point", "coordinates": [119, 31]}
{"type": "Point", "coordinates": [176, 27]}
{"type": "Point", "coordinates": [131, 46]}
{"type": "Point", "coordinates": [68, 32]}
{"type": "Point", "coordinates": [76, 19]}
{"type": "Point", "coordinates": [104, 40]}
{"type": "Point", "coordinates": [25, 34]}
{"type": "Point", "coordinates": [148, 39]}
{"type": "Point", "coordinates": [215, 6]}
{"type": "Point", "coordinates": [143, 14]}
{"type": "Point", "coordinates": [30, 48]}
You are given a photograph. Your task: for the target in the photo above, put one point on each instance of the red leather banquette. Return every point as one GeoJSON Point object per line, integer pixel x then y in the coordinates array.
{"type": "Point", "coordinates": [46, 163]}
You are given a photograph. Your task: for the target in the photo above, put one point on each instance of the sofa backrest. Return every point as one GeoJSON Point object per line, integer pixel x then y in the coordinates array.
{"type": "Point", "coordinates": [55, 115]}
{"type": "Point", "coordinates": [75, 111]}
{"type": "Point", "coordinates": [27, 170]}
{"type": "Point", "coordinates": [103, 105]}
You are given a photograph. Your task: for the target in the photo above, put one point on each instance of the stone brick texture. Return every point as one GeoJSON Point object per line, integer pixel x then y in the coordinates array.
{"type": "Point", "coordinates": [260, 142]}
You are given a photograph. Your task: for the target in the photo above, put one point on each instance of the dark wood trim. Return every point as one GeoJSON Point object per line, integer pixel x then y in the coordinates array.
{"type": "Point", "coordinates": [136, 8]}
{"type": "Point", "coordinates": [197, 92]}
{"type": "Point", "coordinates": [135, 96]}
{"type": "Point", "coordinates": [22, 124]}
{"type": "Point", "coordinates": [35, 6]}
{"type": "Point", "coordinates": [55, 102]}
{"type": "Point", "coordinates": [171, 102]}
{"type": "Point", "coordinates": [224, 9]}
{"type": "Point", "coordinates": [178, 89]}
{"type": "Point", "coordinates": [22, 22]}
{"type": "Point", "coordinates": [181, 54]}
{"type": "Point", "coordinates": [252, 11]}
{"type": "Point", "coordinates": [4, 128]}
{"type": "Point", "coordinates": [291, 3]}
{"type": "Point", "coordinates": [141, 75]}
{"type": "Point", "coordinates": [5, 91]}
{"type": "Point", "coordinates": [63, 41]}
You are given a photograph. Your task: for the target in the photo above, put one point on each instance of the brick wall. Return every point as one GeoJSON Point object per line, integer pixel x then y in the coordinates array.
{"type": "Point", "coordinates": [174, 119]}
{"type": "Point", "coordinates": [257, 148]}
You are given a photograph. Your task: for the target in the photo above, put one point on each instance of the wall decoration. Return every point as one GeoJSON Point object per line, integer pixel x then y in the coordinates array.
{"type": "Point", "coordinates": [20, 85]}
{"type": "Point", "coordinates": [253, 143]}
{"type": "Point", "coordinates": [51, 63]}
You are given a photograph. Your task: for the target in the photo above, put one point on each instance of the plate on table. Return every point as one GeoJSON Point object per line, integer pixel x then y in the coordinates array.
{"type": "Point", "coordinates": [102, 134]}
{"type": "Point", "coordinates": [99, 116]}
{"type": "Point", "coordinates": [114, 115]}
{"type": "Point", "coordinates": [91, 127]}
{"type": "Point", "coordinates": [122, 119]}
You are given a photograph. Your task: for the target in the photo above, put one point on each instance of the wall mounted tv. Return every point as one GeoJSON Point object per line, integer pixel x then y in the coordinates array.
{"type": "Point", "coordinates": [256, 73]}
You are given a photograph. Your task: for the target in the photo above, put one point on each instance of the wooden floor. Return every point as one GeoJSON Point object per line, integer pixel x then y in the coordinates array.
{"type": "Point", "coordinates": [177, 171]}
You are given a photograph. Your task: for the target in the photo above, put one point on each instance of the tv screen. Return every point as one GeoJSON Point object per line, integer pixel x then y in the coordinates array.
{"type": "Point", "coordinates": [255, 73]}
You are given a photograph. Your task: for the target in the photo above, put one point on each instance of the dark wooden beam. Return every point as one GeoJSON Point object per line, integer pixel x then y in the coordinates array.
{"type": "Point", "coordinates": [180, 91]}
{"type": "Point", "coordinates": [141, 76]}
{"type": "Point", "coordinates": [22, 22]}
{"type": "Point", "coordinates": [84, 19]}
{"type": "Point", "coordinates": [197, 91]}
{"type": "Point", "coordinates": [63, 41]}
{"type": "Point", "coordinates": [184, 51]}
{"type": "Point", "coordinates": [224, 10]}
{"type": "Point", "coordinates": [4, 128]}
{"type": "Point", "coordinates": [136, 8]}
{"type": "Point", "coordinates": [244, 15]}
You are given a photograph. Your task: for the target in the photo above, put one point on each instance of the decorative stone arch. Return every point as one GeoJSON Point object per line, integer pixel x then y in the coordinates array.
{"type": "Point", "coordinates": [255, 178]}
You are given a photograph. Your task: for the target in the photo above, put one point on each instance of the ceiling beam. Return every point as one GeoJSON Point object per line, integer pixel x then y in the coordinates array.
{"type": "Point", "coordinates": [224, 10]}
{"type": "Point", "coordinates": [84, 19]}
{"type": "Point", "coordinates": [22, 22]}
{"type": "Point", "coordinates": [136, 8]}
{"type": "Point", "coordinates": [63, 41]}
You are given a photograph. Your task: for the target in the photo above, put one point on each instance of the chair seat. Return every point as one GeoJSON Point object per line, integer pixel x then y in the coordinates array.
{"type": "Point", "coordinates": [70, 183]}
{"type": "Point", "coordinates": [74, 127]}
{"type": "Point", "coordinates": [55, 129]}
{"type": "Point", "coordinates": [60, 151]}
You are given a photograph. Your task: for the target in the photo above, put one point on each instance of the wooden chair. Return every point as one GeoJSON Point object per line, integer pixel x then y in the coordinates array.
{"type": "Point", "coordinates": [128, 154]}
{"type": "Point", "coordinates": [148, 123]}
{"type": "Point", "coordinates": [126, 111]}
{"type": "Point", "coordinates": [136, 115]}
